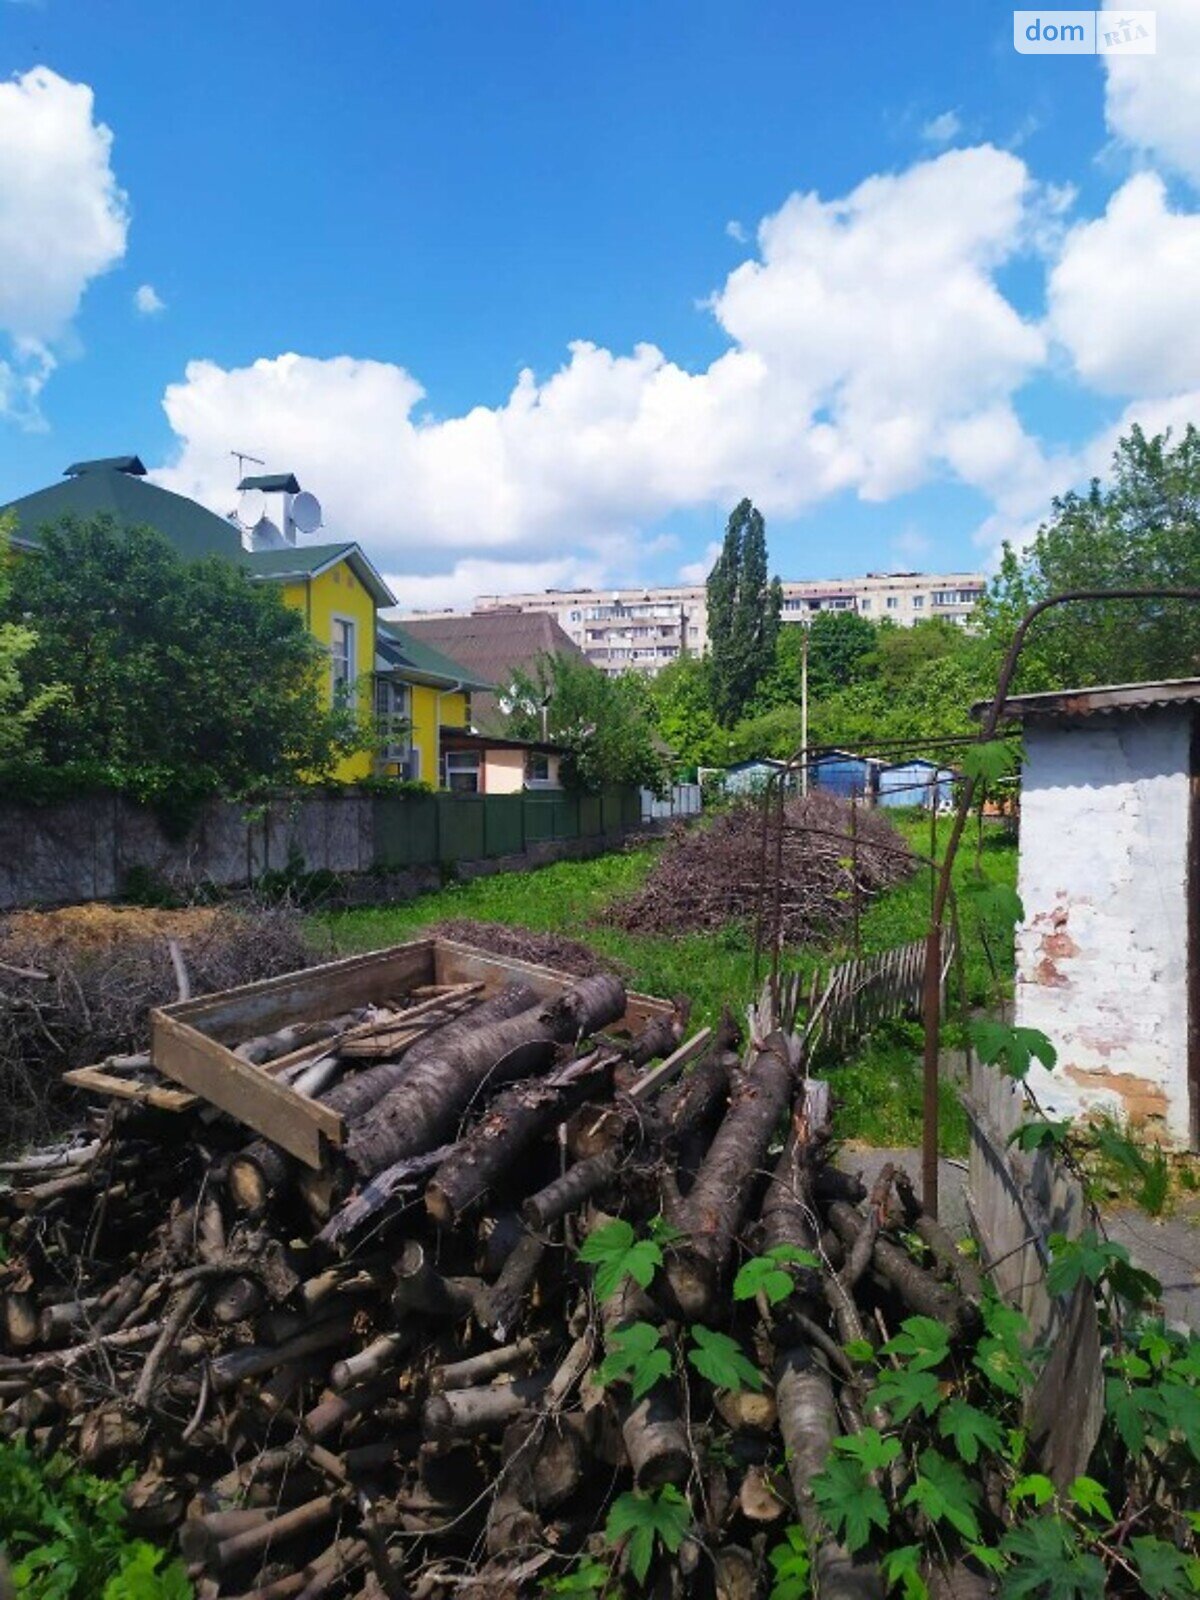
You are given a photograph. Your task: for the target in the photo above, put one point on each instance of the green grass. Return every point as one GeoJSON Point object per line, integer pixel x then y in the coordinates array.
{"type": "Point", "coordinates": [879, 1090]}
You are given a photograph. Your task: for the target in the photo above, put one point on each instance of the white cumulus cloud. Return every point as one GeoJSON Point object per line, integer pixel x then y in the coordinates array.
{"type": "Point", "coordinates": [147, 301]}
{"type": "Point", "coordinates": [63, 221]}
{"type": "Point", "coordinates": [1122, 296]}
{"type": "Point", "coordinates": [1153, 102]}
{"type": "Point", "coordinates": [869, 349]}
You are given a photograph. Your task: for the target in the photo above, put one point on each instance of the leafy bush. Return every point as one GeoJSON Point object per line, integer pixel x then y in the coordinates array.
{"type": "Point", "coordinates": [65, 1535]}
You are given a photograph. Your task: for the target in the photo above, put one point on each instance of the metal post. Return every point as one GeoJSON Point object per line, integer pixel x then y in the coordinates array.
{"type": "Point", "coordinates": [804, 710]}
{"type": "Point", "coordinates": [854, 871]}
{"type": "Point", "coordinates": [931, 1006]}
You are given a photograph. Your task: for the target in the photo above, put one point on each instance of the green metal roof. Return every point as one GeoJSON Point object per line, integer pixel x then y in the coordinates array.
{"type": "Point", "coordinates": [397, 649]}
{"type": "Point", "coordinates": [113, 488]}
{"type": "Point", "coordinates": [311, 560]}
{"type": "Point", "coordinates": [270, 481]}
{"type": "Point", "coordinates": [98, 488]}
{"type": "Point", "coordinates": [130, 464]}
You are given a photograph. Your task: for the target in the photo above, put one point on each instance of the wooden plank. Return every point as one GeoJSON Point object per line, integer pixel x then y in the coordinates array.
{"type": "Point", "coordinates": [99, 1082]}
{"type": "Point", "coordinates": [307, 995]}
{"type": "Point", "coordinates": [672, 1066]}
{"type": "Point", "coordinates": [270, 1108]}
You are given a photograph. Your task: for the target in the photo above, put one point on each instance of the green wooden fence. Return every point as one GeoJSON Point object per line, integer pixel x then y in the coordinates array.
{"type": "Point", "coordinates": [421, 830]}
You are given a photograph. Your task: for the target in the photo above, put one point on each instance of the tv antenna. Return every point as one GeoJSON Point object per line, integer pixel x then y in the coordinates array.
{"type": "Point", "coordinates": [242, 457]}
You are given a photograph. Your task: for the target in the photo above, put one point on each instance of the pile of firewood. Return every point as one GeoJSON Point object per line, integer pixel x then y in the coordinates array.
{"type": "Point", "coordinates": [823, 858]}
{"type": "Point", "coordinates": [381, 1379]}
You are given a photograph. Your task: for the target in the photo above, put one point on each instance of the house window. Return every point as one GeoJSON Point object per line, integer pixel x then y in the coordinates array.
{"type": "Point", "coordinates": [918, 602]}
{"type": "Point", "coordinates": [342, 652]}
{"type": "Point", "coordinates": [462, 771]}
{"type": "Point", "coordinates": [393, 719]}
{"type": "Point", "coordinates": [864, 605]}
{"type": "Point", "coordinates": [537, 770]}
{"type": "Point", "coordinates": [892, 603]}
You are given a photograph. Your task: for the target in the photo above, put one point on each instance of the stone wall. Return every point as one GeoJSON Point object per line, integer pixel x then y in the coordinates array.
{"type": "Point", "coordinates": [96, 847]}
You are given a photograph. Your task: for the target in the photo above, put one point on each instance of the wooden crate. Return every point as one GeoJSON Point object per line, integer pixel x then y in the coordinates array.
{"type": "Point", "coordinates": [191, 1040]}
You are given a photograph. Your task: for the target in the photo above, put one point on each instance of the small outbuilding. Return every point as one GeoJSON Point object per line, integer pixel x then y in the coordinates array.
{"type": "Point", "coordinates": [916, 782]}
{"type": "Point", "coordinates": [844, 773]}
{"type": "Point", "coordinates": [1108, 956]}
{"type": "Point", "coordinates": [751, 777]}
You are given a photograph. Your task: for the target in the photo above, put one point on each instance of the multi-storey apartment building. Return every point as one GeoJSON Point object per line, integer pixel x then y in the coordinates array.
{"type": "Point", "coordinates": [644, 628]}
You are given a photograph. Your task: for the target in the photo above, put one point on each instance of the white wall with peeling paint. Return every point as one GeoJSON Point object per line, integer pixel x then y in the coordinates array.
{"type": "Point", "coordinates": [1102, 954]}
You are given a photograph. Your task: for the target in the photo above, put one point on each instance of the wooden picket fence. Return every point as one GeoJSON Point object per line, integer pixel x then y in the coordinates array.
{"type": "Point", "coordinates": [865, 991]}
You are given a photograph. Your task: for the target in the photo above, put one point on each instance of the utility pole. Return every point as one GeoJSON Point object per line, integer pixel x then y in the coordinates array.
{"type": "Point", "coordinates": [804, 709]}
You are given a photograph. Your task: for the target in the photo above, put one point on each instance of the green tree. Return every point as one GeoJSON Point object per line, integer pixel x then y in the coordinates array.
{"type": "Point", "coordinates": [681, 696]}
{"type": "Point", "coordinates": [1142, 529]}
{"type": "Point", "coordinates": [840, 649]}
{"type": "Point", "coordinates": [743, 614]}
{"type": "Point", "coordinates": [176, 679]}
{"type": "Point", "coordinates": [606, 725]}
{"type": "Point", "coordinates": [20, 708]}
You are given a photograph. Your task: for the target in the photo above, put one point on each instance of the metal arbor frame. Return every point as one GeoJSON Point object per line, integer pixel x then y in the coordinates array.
{"type": "Point", "coordinates": [774, 824]}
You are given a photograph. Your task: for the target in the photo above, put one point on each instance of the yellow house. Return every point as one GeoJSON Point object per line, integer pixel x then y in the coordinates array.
{"type": "Point", "coordinates": [420, 693]}
{"type": "Point", "coordinates": [334, 585]}
{"type": "Point", "coordinates": [339, 592]}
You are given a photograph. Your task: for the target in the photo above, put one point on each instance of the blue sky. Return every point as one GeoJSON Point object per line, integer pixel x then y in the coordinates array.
{"type": "Point", "coordinates": [353, 228]}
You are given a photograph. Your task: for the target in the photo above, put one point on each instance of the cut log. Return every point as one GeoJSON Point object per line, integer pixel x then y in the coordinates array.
{"type": "Point", "coordinates": [721, 1193]}
{"type": "Point", "coordinates": [489, 1408]}
{"type": "Point", "coordinates": [420, 1287]}
{"type": "Point", "coordinates": [511, 1124]}
{"type": "Point", "coordinates": [437, 1089]}
{"type": "Point", "coordinates": [921, 1292]}
{"type": "Point", "coordinates": [655, 1438]}
{"type": "Point", "coordinates": [808, 1422]}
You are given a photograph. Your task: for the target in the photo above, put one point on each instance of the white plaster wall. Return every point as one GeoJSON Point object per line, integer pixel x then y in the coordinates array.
{"type": "Point", "coordinates": [1102, 955]}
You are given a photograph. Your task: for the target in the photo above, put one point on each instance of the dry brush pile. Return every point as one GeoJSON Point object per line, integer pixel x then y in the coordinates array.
{"type": "Point", "coordinates": [708, 876]}
{"type": "Point", "coordinates": [494, 1345]}
{"type": "Point", "coordinates": [77, 985]}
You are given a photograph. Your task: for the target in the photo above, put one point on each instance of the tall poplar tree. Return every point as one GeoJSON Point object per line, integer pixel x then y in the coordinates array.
{"type": "Point", "coordinates": [743, 614]}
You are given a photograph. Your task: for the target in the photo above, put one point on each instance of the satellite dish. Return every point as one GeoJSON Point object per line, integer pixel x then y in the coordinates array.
{"type": "Point", "coordinates": [306, 512]}
{"type": "Point", "coordinates": [264, 535]}
{"type": "Point", "coordinates": [251, 507]}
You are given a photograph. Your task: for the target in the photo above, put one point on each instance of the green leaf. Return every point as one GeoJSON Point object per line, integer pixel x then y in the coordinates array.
{"type": "Point", "coordinates": [1044, 1135]}
{"type": "Point", "coordinates": [792, 1566]}
{"type": "Point", "coordinates": [140, 1577]}
{"type": "Point", "coordinates": [1036, 1487]}
{"type": "Point", "coordinates": [943, 1492]}
{"type": "Point", "coordinates": [906, 1391]}
{"type": "Point", "coordinates": [922, 1343]}
{"type": "Point", "coordinates": [588, 1578]}
{"type": "Point", "coordinates": [871, 1449]}
{"type": "Point", "coordinates": [987, 1557]}
{"type": "Point", "coordinates": [902, 1567]}
{"type": "Point", "coordinates": [1047, 1564]}
{"type": "Point", "coordinates": [720, 1359]}
{"type": "Point", "coordinates": [1011, 1048]}
{"type": "Point", "coordinates": [859, 1350]}
{"type": "Point", "coordinates": [969, 1428]}
{"type": "Point", "coordinates": [1166, 1573]}
{"type": "Point", "coordinates": [617, 1253]}
{"type": "Point", "coordinates": [1096, 1260]}
{"type": "Point", "coordinates": [642, 1519]}
{"type": "Point", "coordinates": [765, 1274]}
{"type": "Point", "coordinates": [989, 761]}
{"type": "Point", "coordinates": [1090, 1497]}
{"type": "Point", "coordinates": [995, 900]}
{"type": "Point", "coordinates": [849, 1501]}
{"type": "Point", "coordinates": [635, 1356]}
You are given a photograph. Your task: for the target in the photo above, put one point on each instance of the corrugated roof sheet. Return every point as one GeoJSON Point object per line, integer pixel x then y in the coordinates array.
{"type": "Point", "coordinates": [1104, 699]}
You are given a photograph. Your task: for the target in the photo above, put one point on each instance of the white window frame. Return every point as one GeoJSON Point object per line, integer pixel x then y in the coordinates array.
{"type": "Point", "coordinates": [463, 761]}
{"type": "Point", "coordinates": [538, 783]}
{"type": "Point", "coordinates": [346, 684]}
